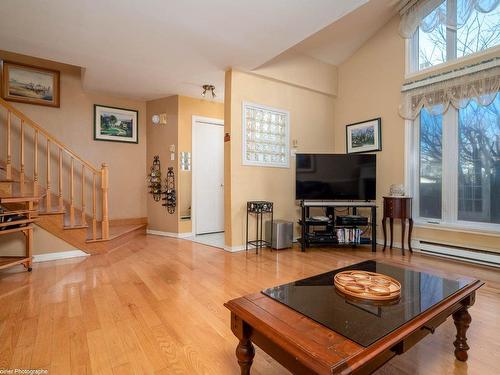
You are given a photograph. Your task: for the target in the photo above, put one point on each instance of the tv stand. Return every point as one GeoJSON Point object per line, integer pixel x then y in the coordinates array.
{"type": "Point", "coordinates": [328, 236]}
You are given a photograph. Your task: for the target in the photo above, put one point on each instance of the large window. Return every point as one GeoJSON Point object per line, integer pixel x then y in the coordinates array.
{"type": "Point", "coordinates": [458, 175]}
{"type": "Point", "coordinates": [454, 29]}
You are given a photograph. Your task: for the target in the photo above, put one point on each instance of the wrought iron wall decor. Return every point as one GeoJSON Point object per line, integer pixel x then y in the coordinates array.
{"type": "Point", "coordinates": [170, 195]}
{"type": "Point", "coordinates": [154, 178]}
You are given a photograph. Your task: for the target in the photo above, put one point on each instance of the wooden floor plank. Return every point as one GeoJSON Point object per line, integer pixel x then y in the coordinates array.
{"type": "Point", "coordinates": [155, 306]}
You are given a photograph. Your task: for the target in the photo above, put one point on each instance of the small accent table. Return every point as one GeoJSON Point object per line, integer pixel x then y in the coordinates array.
{"type": "Point", "coordinates": [398, 208]}
{"type": "Point", "coordinates": [259, 208]}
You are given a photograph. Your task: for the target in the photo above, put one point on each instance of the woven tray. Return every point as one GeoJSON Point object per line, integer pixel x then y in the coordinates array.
{"type": "Point", "coordinates": [367, 285]}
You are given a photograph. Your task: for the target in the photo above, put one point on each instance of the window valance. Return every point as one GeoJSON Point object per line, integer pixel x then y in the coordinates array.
{"type": "Point", "coordinates": [414, 14]}
{"type": "Point", "coordinates": [479, 82]}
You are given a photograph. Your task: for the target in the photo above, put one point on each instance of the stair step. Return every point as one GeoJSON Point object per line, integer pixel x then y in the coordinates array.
{"type": "Point", "coordinates": [116, 231]}
{"type": "Point", "coordinates": [55, 212]}
{"type": "Point", "coordinates": [80, 226]}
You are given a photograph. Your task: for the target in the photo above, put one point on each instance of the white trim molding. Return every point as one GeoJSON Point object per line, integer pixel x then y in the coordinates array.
{"type": "Point", "coordinates": [169, 234]}
{"type": "Point", "coordinates": [59, 255]}
{"type": "Point", "coordinates": [234, 249]}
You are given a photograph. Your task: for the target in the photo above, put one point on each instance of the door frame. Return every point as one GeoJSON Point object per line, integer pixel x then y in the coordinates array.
{"type": "Point", "coordinates": [194, 120]}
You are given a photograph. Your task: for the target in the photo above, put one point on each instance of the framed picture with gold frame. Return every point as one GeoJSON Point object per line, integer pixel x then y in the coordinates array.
{"type": "Point", "coordinates": [30, 84]}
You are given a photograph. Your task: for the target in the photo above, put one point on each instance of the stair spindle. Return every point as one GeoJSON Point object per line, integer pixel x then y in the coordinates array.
{"type": "Point", "coordinates": [94, 208]}
{"type": "Point", "coordinates": [48, 198]}
{"type": "Point", "coordinates": [21, 158]}
{"type": "Point", "coordinates": [35, 163]}
{"type": "Point", "coordinates": [83, 218]}
{"type": "Point", "coordinates": [71, 194]}
{"type": "Point", "coordinates": [60, 181]}
{"type": "Point", "coordinates": [8, 167]}
{"type": "Point", "coordinates": [105, 213]}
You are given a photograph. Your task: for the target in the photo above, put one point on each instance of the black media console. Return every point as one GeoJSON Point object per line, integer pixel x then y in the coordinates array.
{"type": "Point", "coordinates": [333, 234]}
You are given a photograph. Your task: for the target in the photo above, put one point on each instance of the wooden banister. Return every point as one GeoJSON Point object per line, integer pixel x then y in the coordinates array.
{"type": "Point", "coordinates": [35, 163]}
{"type": "Point", "coordinates": [71, 194]}
{"type": "Point", "coordinates": [8, 167]}
{"type": "Point", "coordinates": [34, 125]}
{"type": "Point", "coordinates": [48, 197]}
{"type": "Point", "coordinates": [83, 218]}
{"type": "Point", "coordinates": [61, 149]}
{"type": "Point", "coordinates": [105, 213]}
{"type": "Point", "coordinates": [94, 208]}
{"type": "Point", "coordinates": [21, 158]}
{"type": "Point", "coordinates": [60, 182]}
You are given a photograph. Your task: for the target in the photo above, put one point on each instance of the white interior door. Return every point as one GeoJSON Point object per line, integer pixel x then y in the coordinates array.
{"type": "Point", "coordinates": [208, 174]}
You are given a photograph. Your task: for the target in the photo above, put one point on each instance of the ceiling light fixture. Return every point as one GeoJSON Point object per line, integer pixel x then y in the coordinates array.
{"type": "Point", "coordinates": [209, 88]}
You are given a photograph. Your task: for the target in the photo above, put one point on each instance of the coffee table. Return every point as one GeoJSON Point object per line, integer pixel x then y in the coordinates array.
{"type": "Point", "coordinates": [311, 328]}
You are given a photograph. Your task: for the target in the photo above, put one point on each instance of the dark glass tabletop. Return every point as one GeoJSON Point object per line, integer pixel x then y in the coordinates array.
{"type": "Point", "coordinates": [362, 321]}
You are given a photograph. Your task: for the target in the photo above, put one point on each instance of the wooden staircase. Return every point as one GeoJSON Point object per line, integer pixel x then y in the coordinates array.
{"type": "Point", "coordinates": [73, 193]}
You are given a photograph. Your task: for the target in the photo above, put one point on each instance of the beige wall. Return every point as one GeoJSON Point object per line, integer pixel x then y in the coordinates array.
{"type": "Point", "coordinates": [43, 243]}
{"type": "Point", "coordinates": [73, 123]}
{"type": "Point", "coordinates": [301, 71]}
{"type": "Point", "coordinates": [369, 86]}
{"type": "Point", "coordinates": [159, 139]}
{"type": "Point", "coordinates": [189, 107]}
{"type": "Point", "coordinates": [311, 120]}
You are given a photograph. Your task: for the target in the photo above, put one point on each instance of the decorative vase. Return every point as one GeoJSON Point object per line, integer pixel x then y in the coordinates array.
{"type": "Point", "coordinates": [397, 190]}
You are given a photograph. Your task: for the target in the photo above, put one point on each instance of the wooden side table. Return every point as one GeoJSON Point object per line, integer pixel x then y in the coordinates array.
{"type": "Point", "coordinates": [398, 208]}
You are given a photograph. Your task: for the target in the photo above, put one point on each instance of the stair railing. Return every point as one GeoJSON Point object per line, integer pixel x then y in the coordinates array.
{"type": "Point", "coordinates": [101, 174]}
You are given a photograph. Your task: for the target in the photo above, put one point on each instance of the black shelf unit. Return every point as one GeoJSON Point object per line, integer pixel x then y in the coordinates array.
{"type": "Point", "coordinates": [259, 208]}
{"type": "Point", "coordinates": [329, 227]}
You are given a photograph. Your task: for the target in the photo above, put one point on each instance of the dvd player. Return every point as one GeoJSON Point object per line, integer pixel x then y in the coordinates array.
{"type": "Point", "coordinates": [351, 220]}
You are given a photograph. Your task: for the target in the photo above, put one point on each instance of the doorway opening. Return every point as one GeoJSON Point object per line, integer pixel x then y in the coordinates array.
{"type": "Point", "coordinates": [207, 211]}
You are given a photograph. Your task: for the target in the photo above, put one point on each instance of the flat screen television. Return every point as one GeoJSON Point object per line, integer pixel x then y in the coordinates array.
{"type": "Point", "coordinates": [335, 177]}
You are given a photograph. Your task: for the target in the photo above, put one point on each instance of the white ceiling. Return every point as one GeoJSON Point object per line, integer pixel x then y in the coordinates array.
{"type": "Point", "coordinates": [153, 48]}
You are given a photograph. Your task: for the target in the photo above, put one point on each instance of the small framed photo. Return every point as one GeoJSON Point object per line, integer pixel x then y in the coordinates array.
{"type": "Point", "coordinates": [364, 136]}
{"type": "Point", "coordinates": [115, 124]}
{"type": "Point", "coordinates": [30, 84]}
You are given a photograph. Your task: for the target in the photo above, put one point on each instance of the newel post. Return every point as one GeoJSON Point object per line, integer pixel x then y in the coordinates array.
{"type": "Point", "coordinates": [105, 213]}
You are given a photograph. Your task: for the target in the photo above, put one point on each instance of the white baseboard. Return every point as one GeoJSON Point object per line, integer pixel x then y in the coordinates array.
{"type": "Point", "coordinates": [169, 234]}
{"type": "Point", "coordinates": [234, 249]}
{"type": "Point", "coordinates": [60, 255]}
{"type": "Point", "coordinates": [415, 244]}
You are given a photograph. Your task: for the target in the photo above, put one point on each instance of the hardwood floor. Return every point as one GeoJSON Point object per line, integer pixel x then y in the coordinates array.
{"type": "Point", "coordinates": [154, 306]}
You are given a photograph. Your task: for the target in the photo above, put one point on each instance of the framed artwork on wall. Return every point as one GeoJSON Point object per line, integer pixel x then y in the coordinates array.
{"type": "Point", "coordinates": [115, 124]}
{"type": "Point", "coordinates": [30, 84]}
{"type": "Point", "coordinates": [364, 136]}
{"type": "Point", "coordinates": [266, 136]}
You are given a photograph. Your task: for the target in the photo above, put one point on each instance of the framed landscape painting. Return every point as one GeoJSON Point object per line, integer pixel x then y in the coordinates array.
{"type": "Point", "coordinates": [364, 136]}
{"type": "Point", "coordinates": [30, 84]}
{"type": "Point", "coordinates": [115, 124]}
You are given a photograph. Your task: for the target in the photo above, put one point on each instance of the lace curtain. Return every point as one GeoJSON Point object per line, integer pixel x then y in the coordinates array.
{"type": "Point", "coordinates": [436, 94]}
{"type": "Point", "coordinates": [417, 14]}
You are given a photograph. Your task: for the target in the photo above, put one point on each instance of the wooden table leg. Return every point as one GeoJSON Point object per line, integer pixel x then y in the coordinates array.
{"type": "Point", "coordinates": [384, 229]}
{"type": "Point", "coordinates": [403, 229]}
{"type": "Point", "coordinates": [391, 228]}
{"type": "Point", "coordinates": [462, 321]}
{"type": "Point", "coordinates": [245, 353]}
{"type": "Point", "coordinates": [410, 229]}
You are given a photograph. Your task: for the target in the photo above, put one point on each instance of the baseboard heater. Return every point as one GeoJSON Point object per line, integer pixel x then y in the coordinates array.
{"type": "Point", "coordinates": [487, 258]}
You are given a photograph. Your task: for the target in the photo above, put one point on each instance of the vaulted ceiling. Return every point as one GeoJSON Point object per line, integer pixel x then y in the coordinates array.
{"type": "Point", "coordinates": [152, 48]}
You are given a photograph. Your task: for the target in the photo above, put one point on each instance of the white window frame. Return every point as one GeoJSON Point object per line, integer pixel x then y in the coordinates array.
{"type": "Point", "coordinates": [449, 191]}
{"type": "Point", "coordinates": [412, 49]}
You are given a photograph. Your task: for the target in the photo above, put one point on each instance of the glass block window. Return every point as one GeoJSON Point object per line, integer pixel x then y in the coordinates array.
{"type": "Point", "coordinates": [266, 136]}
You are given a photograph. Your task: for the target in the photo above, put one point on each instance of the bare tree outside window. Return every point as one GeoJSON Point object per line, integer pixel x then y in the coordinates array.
{"type": "Point", "coordinates": [478, 33]}
{"type": "Point", "coordinates": [431, 161]}
{"type": "Point", "coordinates": [479, 163]}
